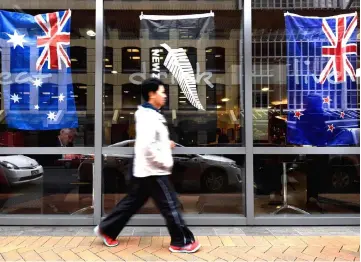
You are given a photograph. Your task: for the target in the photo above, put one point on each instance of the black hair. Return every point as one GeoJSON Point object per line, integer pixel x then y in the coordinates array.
{"type": "Point", "coordinates": [150, 85]}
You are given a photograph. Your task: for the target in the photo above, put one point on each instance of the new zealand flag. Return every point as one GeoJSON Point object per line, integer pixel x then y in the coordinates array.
{"type": "Point", "coordinates": [36, 71]}
{"type": "Point", "coordinates": [323, 103]}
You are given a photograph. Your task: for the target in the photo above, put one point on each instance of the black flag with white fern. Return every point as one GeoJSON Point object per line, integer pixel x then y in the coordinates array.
{"type": "Point", "coordinates": [169, 39]}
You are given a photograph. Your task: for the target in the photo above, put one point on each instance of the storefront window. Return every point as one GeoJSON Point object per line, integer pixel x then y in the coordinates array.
{"type": "Point", "coordinates": [216, 65]}
{"type": "Point", "coordinates": [206, 184]}
{"type": "Point", "coordinates": [288, 92]}
{"type": "Point", "coordinates": [286, 84]}
{"type": "Point", "coordinates": [315, 184]}
{"type": "Point", "coordinates": [46, 184]}
{"type": "Point", "coordinates": [38, 103]}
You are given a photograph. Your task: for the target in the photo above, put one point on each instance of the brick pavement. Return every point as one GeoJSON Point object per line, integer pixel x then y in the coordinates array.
{"type": "Point", "coordinates": [155, 248]}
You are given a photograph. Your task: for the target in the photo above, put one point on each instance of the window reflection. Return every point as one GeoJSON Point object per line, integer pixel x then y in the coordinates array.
{"type": "Point", "coordinates": [192, 56]}
{"type": "Point", "coordinates": [78, 58]}
{"type": "Point", "coordinates": [108, 97]}
{"type": "Point", "coordinates": [82, 58]}
{"type": "Point", "coordinates": [131, 96]}
{"type": "Point", "coordinates": [316, 184]}
{"type": "Point", "coordinates": [218, 86]}
{"type": "Point", "coordinates": [273, 100]}
{"type": "Point", "coordinates": [108, 59]}
{"type": "Point", "coordinates": [215, 60]}
{"type": "Point", "coordinates": [131, 59]}
{"type": "Point", "coordinates": [216, 97]}
{"type": "Point", "coordinates": [183, 102]}
{"type": "Point", "coordinates": [205, 183]}
{"type": "Point", "coordinates": [44, 184]}
{"type": "Point", "coordinates": [80, 95]}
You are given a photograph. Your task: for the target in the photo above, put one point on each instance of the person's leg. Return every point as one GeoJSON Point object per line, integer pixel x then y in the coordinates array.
{"type": "Point", "coordinates": [166, 200]}
{"type": "Point", "coordinates": [114, 222]}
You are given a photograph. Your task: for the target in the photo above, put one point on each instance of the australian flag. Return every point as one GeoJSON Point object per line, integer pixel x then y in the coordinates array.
{"type": "Point", "coordinates": [36, 70]}
{"type": "Point", "coordinates": [323, 103]}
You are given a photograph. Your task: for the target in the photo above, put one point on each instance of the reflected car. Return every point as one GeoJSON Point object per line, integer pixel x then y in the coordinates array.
{"type": "Point", "coordinates": [20, 169]}
{"type": "Point", "coordinates": [210, 173]}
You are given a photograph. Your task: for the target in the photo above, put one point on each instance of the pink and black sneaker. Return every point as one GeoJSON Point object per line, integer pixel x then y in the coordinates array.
{"type": "Point", "coordinates": [108, 241]}
{"type": "Point", "coordinates": [191, 248]}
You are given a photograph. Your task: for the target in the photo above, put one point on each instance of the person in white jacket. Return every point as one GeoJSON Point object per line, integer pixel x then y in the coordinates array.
{"type": "Point", "coordinates": [152, 165]}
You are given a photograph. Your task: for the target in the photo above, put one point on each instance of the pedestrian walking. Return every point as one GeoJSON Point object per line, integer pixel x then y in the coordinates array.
{"type": "Point", "coordinates": [152, 165]}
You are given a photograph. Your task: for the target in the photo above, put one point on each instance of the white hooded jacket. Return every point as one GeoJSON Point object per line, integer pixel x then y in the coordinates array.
{"type": "Point", "coordinates": [153, 154]}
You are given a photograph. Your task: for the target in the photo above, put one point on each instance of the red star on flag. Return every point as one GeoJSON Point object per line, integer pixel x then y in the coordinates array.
{"type": "Point", "coordinates": [298, 115]}
{"type": "Point", "coordinates": [331, 128]}
{"type": "Point", "coordinates": [342, 115]}
{"type": "Point", "coordinates": [326, 100]}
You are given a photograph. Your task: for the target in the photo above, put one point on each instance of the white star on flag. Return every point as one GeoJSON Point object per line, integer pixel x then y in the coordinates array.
{"type": "Point", "coordinates": [36, 107]}
{"type": "Point", "coordinates": [37, 82]}
{"type": "Point", "coordinates": [16, 39]}
{"type": "Point", "coordinates": [61, 97]}
{"type": "Point", "coordinates": [51, 115]}
{"type": "Point", "coordinates": [15, 98]}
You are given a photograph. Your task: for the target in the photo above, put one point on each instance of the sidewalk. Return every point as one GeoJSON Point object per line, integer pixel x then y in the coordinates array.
{"type": "Point", "coordinates": [151, 244]}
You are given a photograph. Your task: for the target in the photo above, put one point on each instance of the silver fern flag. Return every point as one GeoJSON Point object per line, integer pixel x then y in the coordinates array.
{"type": "Point", "coordinates": [169, 39]}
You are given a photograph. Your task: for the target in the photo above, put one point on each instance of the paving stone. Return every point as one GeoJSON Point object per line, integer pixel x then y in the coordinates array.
{"type": "Point", "coordinates": [261, 246]}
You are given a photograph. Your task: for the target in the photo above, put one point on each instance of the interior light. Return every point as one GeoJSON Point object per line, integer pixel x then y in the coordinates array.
{"type": "Point", "coordinates": [114, 72]}
{"type": "Point", "coordinates": [225, 99]}
{"type": "Point", "coordinates": [90, 33]}
{"type": "Point", "coordinates": [264, 89]}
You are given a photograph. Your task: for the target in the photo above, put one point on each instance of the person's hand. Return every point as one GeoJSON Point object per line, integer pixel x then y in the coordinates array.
{"type": "Point", "coordinates": [172, 144]}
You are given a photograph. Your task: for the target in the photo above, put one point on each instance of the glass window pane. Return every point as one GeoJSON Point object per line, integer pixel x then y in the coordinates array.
{"type": "Point", "coordinates": [206, 184]}
{"type": "Point", "coordinates": [45, 104]}
{"type": "Point", "coordinates": [290, 105]}
{"type": "Point", "coordinates": [218, 84]}
{"type": "Point", "coordinates": [46, 184]}
{"type": "Point", "coordinates": [317, 184]}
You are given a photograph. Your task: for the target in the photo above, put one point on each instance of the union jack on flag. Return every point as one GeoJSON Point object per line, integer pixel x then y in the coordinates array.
{"type": "Point", "coordinates": [36, 70]}
{"type": "Point", "coordinates": [339, 48]}
{"type": "Point", "coordinates": [323, 105]}
{"type": "Point", "coordinates": [54, 40]}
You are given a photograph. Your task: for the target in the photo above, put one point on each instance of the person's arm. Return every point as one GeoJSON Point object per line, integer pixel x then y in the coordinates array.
{"type": "Point", "coordinates": [147, 143]}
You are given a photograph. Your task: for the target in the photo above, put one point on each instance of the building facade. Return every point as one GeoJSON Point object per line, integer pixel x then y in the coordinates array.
{"type": "Point", "coordinates": [230, 158]}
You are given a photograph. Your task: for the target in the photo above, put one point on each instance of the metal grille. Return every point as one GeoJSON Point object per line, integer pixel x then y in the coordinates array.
{"type": "Point", "coordinates": [295, 4]}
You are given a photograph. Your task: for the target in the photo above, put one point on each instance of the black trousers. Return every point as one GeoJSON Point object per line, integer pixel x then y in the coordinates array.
{"type": "Point", "coordinates": [160, 189]}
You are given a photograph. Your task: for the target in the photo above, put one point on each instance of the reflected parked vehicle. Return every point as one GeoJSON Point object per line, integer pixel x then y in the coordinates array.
{"type": "Point", "coordinates": [20, 169]}
{"type": "Point", "coordinates": [209, 173]}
